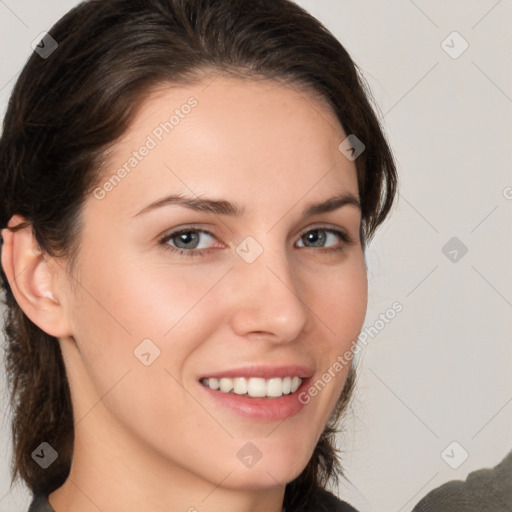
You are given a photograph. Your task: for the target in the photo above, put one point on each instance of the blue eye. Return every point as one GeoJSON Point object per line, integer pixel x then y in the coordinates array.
{"type": "Point", "coordinates": [320, 236]}
{"type": "Point", "coordinates": [197, 242]}
{"type": "Point", "coordinates": [187, 241]}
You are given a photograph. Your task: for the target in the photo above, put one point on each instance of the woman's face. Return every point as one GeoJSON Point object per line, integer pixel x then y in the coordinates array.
{"type": "Point", "coordinates": [254, 286]}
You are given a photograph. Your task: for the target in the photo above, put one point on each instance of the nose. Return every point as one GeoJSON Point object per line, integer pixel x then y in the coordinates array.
{"type": "Point", "coordinates": [268, 299]}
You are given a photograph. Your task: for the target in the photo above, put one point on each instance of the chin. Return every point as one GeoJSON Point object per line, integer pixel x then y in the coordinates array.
{"type": "Point", "coordinates": [275, 471]}
{"type": "Point", "coordinates": [252, 479]}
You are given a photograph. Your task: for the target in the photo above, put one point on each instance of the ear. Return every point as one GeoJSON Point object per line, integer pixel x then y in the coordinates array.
{"type": "Point", "coordinates": [33, 278]}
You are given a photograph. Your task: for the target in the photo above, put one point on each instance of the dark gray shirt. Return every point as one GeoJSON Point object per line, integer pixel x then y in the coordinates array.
{"type": "Point", "coordinates": [487, 489]}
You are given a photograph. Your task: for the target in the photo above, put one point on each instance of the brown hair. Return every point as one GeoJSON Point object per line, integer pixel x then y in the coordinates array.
{"type": "Point", "coordinates": [68, 109]}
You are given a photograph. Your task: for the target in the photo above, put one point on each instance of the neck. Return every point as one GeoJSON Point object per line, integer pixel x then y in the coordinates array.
{"type": "Point", "coordinates": [113, 473]}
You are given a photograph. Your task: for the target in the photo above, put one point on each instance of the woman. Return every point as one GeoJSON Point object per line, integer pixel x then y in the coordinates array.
{"type": "Point", "coordinates": [188, 189]}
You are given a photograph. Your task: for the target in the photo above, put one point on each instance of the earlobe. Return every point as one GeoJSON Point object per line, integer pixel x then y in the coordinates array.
{"type": "Point", "coordinates": [32, 279]}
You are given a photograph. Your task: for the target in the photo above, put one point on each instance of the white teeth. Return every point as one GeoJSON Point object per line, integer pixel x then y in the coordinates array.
{"type": "Point", "coordinates": [287, 385]}
{"type": "Point", "coordinates": [275, 387]}
{"type": "Point", "coordinates": [226, 385]}
{"type": "Point", "coordinates": [239, 385]}
{"type": "Point", "coordinates": [255, 386]}
{"type": "Point", "coordinates": [214, 383]}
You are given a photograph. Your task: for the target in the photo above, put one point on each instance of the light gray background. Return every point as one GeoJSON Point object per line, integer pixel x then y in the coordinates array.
{"type": "Point", "coordinates": [440, 371]}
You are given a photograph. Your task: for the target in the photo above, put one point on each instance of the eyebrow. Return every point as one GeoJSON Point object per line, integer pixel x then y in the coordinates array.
{"type": "Point", "coordinates": [223, 207]}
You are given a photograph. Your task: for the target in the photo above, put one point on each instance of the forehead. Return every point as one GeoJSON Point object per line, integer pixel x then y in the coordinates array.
{"type": "Point", "coordinates": [254, 139]}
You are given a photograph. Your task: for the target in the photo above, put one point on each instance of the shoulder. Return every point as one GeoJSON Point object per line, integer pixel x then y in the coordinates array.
{"type": "Point", "coordinates": [484, 489]}
{"type": "Point", "coordinates": [330, 503]}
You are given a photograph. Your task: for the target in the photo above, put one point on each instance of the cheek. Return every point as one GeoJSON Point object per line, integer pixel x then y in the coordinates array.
{"type": "Point", "coordinates": [146, 298]}
{"type": "Point", "coordinates": [340, 298]}
{"type": "Point", "coordinates": [124, 304]}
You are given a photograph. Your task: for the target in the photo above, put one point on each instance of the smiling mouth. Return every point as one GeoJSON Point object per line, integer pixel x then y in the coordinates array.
{"type": "Point", "coordinates": [255, 387]}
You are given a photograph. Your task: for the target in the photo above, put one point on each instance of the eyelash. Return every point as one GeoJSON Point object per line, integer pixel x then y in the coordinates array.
{"type": "Point", "coordinates": [347, 240]}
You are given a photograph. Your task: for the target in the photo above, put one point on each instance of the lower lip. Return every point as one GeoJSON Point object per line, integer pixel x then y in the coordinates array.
{"type": "Point", "coordinates": [267, 409]}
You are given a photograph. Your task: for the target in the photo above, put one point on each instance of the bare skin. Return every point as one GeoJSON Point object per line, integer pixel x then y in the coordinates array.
{"type": "Point", "coordinates": [148, 438]}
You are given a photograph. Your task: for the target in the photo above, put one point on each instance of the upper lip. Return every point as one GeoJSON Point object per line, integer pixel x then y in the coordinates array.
{"type": "Point", "coordinates": [265, 372]}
